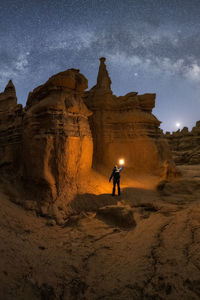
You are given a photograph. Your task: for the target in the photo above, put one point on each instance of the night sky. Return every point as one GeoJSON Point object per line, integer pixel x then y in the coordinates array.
{"type": "Point", "coordinates": [150, 46]}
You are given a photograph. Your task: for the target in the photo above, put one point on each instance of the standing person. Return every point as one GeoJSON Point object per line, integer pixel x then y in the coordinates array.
{"type": "Point", "coordinates": [116, 179]}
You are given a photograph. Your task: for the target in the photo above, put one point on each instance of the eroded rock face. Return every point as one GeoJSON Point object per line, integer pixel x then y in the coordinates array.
{"type": "Point", "coordinates": [185, 145]}
{"type": "Point", "coordinates": [57, 143]}
{"type": "Point", "coordinates": [8, 99]}
{"type": "Point", "coordinates": [103, 79]}
{"type": "Point", "coordinates": [11, 115]}
{"type": "Point", "coordinates": [124, 127]}
{"type": "Point", "coordinates": [48, 143]}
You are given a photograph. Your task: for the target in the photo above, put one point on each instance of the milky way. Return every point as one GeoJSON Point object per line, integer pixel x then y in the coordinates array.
{"type": "Point", "coordinates": [150, 46]}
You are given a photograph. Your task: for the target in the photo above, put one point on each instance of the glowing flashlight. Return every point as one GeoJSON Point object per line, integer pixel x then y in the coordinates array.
{"type": "Point", "coordinates": [121, 162]}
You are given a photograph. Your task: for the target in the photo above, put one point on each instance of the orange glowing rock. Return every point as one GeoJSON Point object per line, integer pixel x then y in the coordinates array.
{"type": "Point", "coordinates": [125, 127]}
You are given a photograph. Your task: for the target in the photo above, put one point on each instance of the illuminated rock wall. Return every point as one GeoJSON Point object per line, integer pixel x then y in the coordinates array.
{"type": "Point", "coordinates": [48, 143]}
{"type": "Point", "coordinates": [125, 127]}
{"type": "Point", "coordinates": [57, 143]}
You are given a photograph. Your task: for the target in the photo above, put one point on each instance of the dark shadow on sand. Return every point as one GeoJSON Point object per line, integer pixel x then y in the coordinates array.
{"type": "Point", "coordinates": [138, 196]}
{"type": "Point", "coordinates": [92, 202]}
{"type": "Point", "coordinates": [131, 196]}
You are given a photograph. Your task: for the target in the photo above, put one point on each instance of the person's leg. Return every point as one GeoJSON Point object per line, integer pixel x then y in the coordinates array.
{"type": "Point", "coordinates": [118, 186]}
{"type": "Point", "coordinates": [114, 183]}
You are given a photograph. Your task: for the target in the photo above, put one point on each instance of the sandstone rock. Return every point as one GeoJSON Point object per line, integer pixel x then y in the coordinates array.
{"type": "Point", "coordinates": [198, 124]}
{"type": "Point", "coordinates": [147, 101]}
{"type": "Point", "coordinates": [182, 187]}
{"type": "Point", "coordinates": [8, 99]}
{"type": "Point", "coordinates": [11, 115]}
{"type": "Point", "coordinates": [194, 156]}
{"type": "Point", "coordinates": [47, 144]}
{"type": "Point", "coordinates": [185, 145]}
{"type": "Point", "coordinates": [51, 222]}
{"type": "Point", "coordinates": [57, 143]}
{"type": "Point", "coordinates": [69, 80]}
{"type": "Point", "coordinates": [30, 205]}
{"type": "Point", "coordinates": [121, 216]}
{"type": "Point", "coordinates": [170, 170]}
{"type": "Point", "coordinates": [103, 79]}
{"type": "Point", "coordinates": [124, 127]}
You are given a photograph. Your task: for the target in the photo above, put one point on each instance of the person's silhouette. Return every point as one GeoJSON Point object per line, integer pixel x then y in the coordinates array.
{"type": "Point", "coordinates": [116, 179]}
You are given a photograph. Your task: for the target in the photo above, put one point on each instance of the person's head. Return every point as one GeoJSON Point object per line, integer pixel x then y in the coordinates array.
{"type": "Point", "coordinates": [115, 167]}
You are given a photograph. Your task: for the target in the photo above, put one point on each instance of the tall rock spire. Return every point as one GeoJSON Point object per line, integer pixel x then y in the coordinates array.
{"type": "Point", "coordinates": [10, 88]}
{"type": "Point", "coordinates": [103, 79]}
{"type": "Point", "coordinates": [8, 99]}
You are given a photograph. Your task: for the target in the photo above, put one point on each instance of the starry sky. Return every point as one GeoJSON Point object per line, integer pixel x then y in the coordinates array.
{"type": "Point", "coordinates": [150, 46]}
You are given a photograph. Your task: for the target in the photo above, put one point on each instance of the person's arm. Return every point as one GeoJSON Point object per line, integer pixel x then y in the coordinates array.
{"type": "Point", "coordinates": [120, 169]}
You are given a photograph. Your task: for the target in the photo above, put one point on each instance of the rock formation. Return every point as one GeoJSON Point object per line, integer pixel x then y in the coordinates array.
{"type": "Point", "coordinates": [48, 144]}
{"type": "Point", "coordinates": [124, 127]}
{"type": "Point", "coordinates": [11, 115]}
{"type": "Point", "coordinates": [8, 98]}
{"type": "Point", "coordinates": [185, 145]}
{"type": "Point", "coordinates": [103, 79]}
{"type": "Point", "coordinates": [60, 147]}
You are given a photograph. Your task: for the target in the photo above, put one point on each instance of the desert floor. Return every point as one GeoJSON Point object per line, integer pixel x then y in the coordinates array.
{"type": "Point", "coordinates": [144, 245]}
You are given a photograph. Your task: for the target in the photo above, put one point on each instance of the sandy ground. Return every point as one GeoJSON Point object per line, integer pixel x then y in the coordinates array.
{"type": "Point", "coordinates": [93, 257]}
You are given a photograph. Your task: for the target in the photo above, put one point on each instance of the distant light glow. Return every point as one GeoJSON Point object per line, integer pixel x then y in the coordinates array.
{"type": "Point", "coordinates": [178, 125]}
{"type": "Point", "coordinates": [121, 161]}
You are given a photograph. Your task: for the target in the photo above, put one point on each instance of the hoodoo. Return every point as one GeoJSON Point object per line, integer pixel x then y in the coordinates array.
{"type": "Point", "coordinates": [57, 143]}
{"type": "Point", "coordinates": [124, 127]}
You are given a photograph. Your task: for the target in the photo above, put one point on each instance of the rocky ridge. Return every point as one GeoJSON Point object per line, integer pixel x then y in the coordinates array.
{"type": "Point", "coordinates": [185, 145]}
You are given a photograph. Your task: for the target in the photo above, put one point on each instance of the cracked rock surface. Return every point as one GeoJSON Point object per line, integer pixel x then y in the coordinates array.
{"type": "Point", "coordinates": [89, 258]}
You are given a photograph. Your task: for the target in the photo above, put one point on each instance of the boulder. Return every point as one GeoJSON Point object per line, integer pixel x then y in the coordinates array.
{"type": "Point", "coordinates": [121, 216]}
{"type": "Point", "coordinates": [182, 187]}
